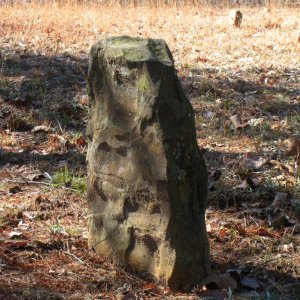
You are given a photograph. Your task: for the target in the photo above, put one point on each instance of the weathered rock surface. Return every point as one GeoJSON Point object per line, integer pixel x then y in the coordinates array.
{"type": "Point", "coordinates": [147, 181]}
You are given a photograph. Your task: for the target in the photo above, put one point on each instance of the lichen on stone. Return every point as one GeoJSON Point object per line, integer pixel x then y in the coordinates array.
{"type": "Point", "coordinates": [147, 180]}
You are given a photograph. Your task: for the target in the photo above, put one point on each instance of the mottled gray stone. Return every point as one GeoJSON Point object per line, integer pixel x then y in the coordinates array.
{"type": "Point", "coordinates": [147, 180]}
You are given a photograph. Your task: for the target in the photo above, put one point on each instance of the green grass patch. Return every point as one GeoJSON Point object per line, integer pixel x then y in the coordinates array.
{"type": "Point", "coordinates": [207, 97]}
{"type": "Point", "coordinates": [66, 178]}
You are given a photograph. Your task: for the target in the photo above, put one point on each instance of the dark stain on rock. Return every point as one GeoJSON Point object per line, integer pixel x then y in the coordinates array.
{"type": "Point", "coordinates": [150, 243]}
{"type": "Point", "coordinates": [121, 138]}
{"type": "Point", "coordinates": [105, 147]}
{"type": "Point", "coordinates": [155, 209]}
{"type": "Point", "coordinates": [122, 151]}
{"type": "Point", "coordinates": [99, 191]}
{"type": "Point", "coordinates": [130, 205]}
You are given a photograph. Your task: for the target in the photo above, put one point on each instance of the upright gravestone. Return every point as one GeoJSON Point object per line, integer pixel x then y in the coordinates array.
{"type": "Point", "coordinates": [147, 180]}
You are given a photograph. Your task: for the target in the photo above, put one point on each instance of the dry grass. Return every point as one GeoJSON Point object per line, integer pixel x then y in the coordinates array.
{"type": "Point", "coordinates": [197, 36]}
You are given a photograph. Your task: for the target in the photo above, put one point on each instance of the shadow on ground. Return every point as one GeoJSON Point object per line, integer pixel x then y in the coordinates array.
{"type": "Point", "coordinates": [74, 159]}
{"type": "Point", "coordinates": [35, 89]}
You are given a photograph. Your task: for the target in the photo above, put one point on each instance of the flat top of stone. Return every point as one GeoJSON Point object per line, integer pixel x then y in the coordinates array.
{"type": "Point", "coordinates": [136, 49]}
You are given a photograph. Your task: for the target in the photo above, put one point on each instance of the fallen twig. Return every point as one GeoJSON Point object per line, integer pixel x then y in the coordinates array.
{"type": "Point", "coordinates": [75, 257]}
{"type": "Point", "coordinates": [28, 182]}
{"type": "Point", "coordinates": [39, 182]}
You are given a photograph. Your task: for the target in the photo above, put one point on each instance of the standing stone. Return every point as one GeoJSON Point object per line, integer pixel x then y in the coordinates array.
{"type": "Point", "coordinates": [147, 180]}
{"type": "Point", "coordinates": [235, 18]}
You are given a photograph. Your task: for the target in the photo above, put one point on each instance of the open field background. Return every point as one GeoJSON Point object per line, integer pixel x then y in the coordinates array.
{"type": "Point", "coordinates": [244, 85]}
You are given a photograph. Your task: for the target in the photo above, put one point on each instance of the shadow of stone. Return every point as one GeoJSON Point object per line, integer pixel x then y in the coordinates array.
{"type": "Point", "coordinates": [45, 88]}
{"type": "Point", "coordinates": [75, 160]}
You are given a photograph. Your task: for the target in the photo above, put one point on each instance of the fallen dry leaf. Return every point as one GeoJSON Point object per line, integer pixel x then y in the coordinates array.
{"type": "Point", "coordinates": [237, 122]}
{"type": "Point", "coordinates": [151, 288]}
{"type": "Point", "coordinates": [255, 122]}
{"type": "Point", "coordinates": [13, 244]}
{"type": "Point", "coordinates": [264, 232]}
{"type": "Point", "coordinates": [14, 234]}
{"type": "Point", "coordinates": [253, 161]}
{"type": "Point", "coordinates": [287, 248]}
{"type": "Point", "coordinates": [81, 141]}
{"type": "Point", "coordinates": [223, 232]}
{"type": "Point", "coordinates": [260, 231]}
{"type": "Point", "coordinates": [35, 175]}
{"type": "Point", "coordinates": [40, 128]}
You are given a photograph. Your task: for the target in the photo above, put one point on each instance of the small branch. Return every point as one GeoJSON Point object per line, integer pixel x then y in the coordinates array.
{"type": "Point", "coordinates": [61, 130]}
{"type": "Point", "coordinates": [75, 257]}
{"type": "Point", "coordinates": [99, 242]}
{"type": "Point", "coordinates": [41, 183]}
{"type": "Point", "coordinates": [28, 182]}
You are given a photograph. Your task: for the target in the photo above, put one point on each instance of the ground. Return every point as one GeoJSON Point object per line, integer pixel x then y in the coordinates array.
{"type": "Point", "coordinates": [244, 85]}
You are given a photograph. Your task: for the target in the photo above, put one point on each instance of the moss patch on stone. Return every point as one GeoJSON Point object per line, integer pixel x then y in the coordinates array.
{"type": "Point", "coordinates": [136, 49]}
